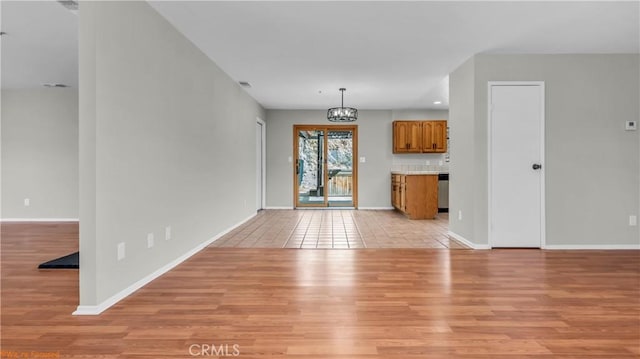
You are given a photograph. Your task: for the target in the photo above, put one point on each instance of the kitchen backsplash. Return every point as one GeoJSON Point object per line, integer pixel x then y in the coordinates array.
{"type": "Point", "coordinates": [406, 168]}
{"type": "Point", "coordinates": [419, 162]}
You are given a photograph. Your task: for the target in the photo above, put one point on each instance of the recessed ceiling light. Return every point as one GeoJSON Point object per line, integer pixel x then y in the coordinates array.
{"type": "Point", "coordinates": [244, 84]}
{"type": "Point", "coordinates": [437, 102]}
{"type": "Point", "coordinates": [54, 85]}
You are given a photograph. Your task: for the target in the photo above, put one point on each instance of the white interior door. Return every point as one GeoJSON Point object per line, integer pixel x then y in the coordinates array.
{"type": "Point", "coordinates": [516, 153]}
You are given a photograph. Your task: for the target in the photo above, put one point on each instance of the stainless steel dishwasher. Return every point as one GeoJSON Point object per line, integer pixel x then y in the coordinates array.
{"type": "Point", "coordinates": [443, 193]}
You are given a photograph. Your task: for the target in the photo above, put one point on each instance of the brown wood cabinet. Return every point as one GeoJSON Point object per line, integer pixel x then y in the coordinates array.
{"type": "Point", "coordinates": [397, 192]}
{"type": "Point", "coordinates": [434, 136]}
{"type": "Point", "coordinates": [415, 195]}
{"type": "Point", "coordinates": [407, 137]}
{"type": "Point", "coordinates": [420, 136]}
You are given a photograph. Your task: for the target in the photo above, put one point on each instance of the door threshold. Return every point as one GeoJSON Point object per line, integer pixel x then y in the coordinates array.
{"type": "Point", "coordinates": [335, 207]}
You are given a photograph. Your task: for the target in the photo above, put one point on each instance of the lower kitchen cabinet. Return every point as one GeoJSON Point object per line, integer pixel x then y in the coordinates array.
{"type": "Point", "coordinates": [415, 195]}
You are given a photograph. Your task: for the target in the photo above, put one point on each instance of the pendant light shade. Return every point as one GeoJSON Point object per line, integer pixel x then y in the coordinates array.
{"type": "Point", "coordinates": [342, 114]}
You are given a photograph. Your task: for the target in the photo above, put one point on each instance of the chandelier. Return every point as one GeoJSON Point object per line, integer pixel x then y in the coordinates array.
{"type": "Point", "coordinates": [342, 114]}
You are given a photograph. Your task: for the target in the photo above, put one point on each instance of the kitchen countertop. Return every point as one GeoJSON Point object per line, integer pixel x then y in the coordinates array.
{"type": "Point", "coordinates": [418, 172]}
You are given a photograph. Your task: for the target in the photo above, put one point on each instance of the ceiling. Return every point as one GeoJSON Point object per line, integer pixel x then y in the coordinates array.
{"type": "Point", "coordinates": [389, 55]}
{"type": "Point", "coordinates": [41, 44]}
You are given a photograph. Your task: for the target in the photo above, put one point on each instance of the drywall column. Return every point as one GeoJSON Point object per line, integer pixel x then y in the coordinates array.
{"type": "Point", "coordinates": [462, 151]}
{"type": "Point", "coordinates": [87, 154]}
{"type": "Point", "coordinates": [167, 150]}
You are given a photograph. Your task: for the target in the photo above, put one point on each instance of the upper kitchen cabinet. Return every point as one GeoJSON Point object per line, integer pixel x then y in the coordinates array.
{"type": "Point", "coordinates": [434, 136]}
{"type": "Point", "coordinates": [407, 137]}
{"type": "Point", "coordinates": [420, 136]}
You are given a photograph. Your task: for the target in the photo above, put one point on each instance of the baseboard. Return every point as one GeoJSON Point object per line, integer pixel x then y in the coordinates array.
{"type": "Point", "coordinates": [39, 220]}
{"type": "Point", "coordinates": [466, 242]}
{"type": "Point", "coordinates": [97, 309]}
{"type": "Point", "coordinates": [592, 246]}
{"type": "Point", "coordinates": [365, 208]}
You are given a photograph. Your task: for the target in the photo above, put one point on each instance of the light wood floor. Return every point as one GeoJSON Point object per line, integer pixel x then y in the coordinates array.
{"type": "Point", "coordinates": [328, 304]}
{"type": "Point", "coordinates": [339, 229]}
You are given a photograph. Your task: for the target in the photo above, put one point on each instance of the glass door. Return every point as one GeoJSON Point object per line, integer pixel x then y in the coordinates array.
{"type": "Point", "coordinates": [324, 167]}
{"type": "Point", "coordinates": [340, 168]}
{"type": "Point", "coordinates": [310, 167]}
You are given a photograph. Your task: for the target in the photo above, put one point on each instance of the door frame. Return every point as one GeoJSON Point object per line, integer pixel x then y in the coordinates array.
{"type": "Point", "coordinates": [540, 84]}
{"type": "Point", "coordinates": [262, 176]}
{"type": "Point", "coordinates": [326, 129]}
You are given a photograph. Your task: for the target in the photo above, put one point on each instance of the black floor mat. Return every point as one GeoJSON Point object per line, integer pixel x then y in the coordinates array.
{"type": "Point", "coordinates": [71, 261]}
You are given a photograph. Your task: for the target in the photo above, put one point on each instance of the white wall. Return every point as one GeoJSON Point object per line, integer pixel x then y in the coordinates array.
{"type": "Point", "coordinates": [166, 139]}
{"type": "Point", "coordinates": [40, 153]}
{"type": "Point", "coordinates": [592, 163]}
{"type": "Point", "coordinates": [375, 143]}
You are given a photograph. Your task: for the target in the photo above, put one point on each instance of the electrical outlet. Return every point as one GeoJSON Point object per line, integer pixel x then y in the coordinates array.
{"type": "Point", "coordinates": [120, 251]}
{"type": "Point", "coordinates": [150, 240]}
{"type": "Point", "coordinates": [427, 162]}
{"type": "Point", "coordinates": [459, 215]}
{"type": "Point", "coordinates": [633, 220]}
{"type": "Point", "coordinates": [363, 160]}
{"type": "Point", "coordinates": [27, 202]}
{"type": "Point", "coordinates": [167, 233]}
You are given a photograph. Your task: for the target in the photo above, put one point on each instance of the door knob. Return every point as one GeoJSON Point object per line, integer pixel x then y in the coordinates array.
{"type": "Point", "coordinates": [536, 166]}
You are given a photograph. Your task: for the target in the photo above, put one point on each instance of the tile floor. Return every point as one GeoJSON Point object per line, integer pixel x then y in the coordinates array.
{"type": "Point", "coordinates": [326, 229]}
{"type": "Point", "coordinates": [339, 229]}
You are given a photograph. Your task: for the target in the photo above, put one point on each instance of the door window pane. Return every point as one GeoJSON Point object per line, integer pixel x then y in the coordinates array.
{"type": "Point", "coordinates": [310, 169]}
{"type": "Point", "coordinates": [340, 167]}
